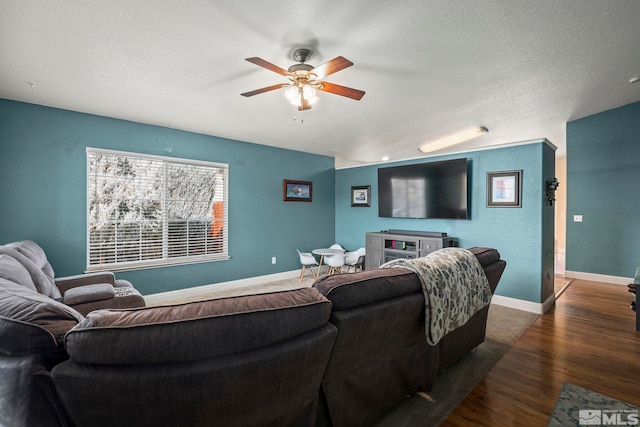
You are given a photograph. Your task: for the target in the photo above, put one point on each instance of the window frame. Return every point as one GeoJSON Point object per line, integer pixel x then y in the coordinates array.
{"type": "Point", "coordinates": [165, 260]}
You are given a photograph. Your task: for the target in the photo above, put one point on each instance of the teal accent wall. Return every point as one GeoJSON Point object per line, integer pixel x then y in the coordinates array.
{"type": "Point", "coordinates": [603, 178]}
{"type": "Point", "coordinates": [516, 232]}
{"type": "Point", "coordinates": [43, 193]}
{"type": "Point", "coordinates": [43, 174]}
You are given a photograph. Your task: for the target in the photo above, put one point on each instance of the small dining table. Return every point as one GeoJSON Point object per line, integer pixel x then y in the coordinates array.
{"type": "Point", "coordinates": [325, 251]}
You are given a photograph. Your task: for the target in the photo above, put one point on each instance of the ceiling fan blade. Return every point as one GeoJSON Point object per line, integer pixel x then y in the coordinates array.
{"type": "Point", "coordinates": [268, 65]}
{"type": "Point", "coordinates": [342, 90]}
{"type": "Point", "coordinates": [330, 67]}
{"type": "Point", "coordinates": [263, 90]}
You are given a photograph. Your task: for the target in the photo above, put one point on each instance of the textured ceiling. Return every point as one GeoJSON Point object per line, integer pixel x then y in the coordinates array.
{"type": "Point", "coordinates": [429, 68]}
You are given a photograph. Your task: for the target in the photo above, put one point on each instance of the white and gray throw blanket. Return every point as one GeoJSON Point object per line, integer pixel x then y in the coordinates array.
{"type": "Point", "coordinates": [454, 286]}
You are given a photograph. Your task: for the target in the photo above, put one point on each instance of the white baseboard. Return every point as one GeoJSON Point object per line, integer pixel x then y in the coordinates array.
{"type": "Point", "coordinates": [164, 297]}
{"type": "Point", "coordinates": [541, 308]}
{"type": "Point", "coordinates": [616, 280]}
{"type": "Point", "coordinates": [519, 304]}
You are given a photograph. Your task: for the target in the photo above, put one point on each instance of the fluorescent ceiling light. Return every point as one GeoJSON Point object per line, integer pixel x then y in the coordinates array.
{"type": "Point", "coordinates": [452, 139]}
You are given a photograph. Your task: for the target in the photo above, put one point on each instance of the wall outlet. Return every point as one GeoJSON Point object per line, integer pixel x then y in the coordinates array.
{"type": "Point", "coordinates": [577, 218]}
{"type": "Point", "coordinates": [273, 260]}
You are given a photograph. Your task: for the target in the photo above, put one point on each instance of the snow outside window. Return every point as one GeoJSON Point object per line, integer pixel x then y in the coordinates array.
{"type": "Point", "coordinates": [148, 211]}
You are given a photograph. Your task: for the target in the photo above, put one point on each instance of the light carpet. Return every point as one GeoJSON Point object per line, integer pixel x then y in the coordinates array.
{"type": "Point", "coordinates": [578, 406]}
{"type": "Point", "coordinates": [276, 286]}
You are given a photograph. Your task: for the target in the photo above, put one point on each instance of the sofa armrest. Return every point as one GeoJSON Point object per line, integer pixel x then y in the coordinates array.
{"type": "Point", "coordinates": [66, 283]}
{"type": "Point", "coordinates": [88, 293]}
{"type": "Point", "coordinates": [485, 256]}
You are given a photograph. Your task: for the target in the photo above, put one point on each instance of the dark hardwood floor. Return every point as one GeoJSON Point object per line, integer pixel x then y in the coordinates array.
{"type": "Point", "coordinates": [587, 339]}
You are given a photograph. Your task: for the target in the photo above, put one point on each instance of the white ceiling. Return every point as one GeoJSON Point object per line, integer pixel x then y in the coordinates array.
{"type": "Point", "coordinates": [429, 68]}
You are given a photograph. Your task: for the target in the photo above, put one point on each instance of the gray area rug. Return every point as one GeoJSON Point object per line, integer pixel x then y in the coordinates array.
{"type": "Point", "coordinates": [504, 327]}
{"type": "Point", "coordinates": [577, 406]}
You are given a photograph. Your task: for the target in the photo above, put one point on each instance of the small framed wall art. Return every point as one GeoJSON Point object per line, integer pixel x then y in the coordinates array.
{"type": "Point", "coordinates": [297, 191]}
{"type": "Point", "coordinates": [361, 196]}
{"type": "Point", "coordinates": [504, 189]}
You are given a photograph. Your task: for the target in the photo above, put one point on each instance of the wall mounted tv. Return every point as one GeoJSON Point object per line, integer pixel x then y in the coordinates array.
{"type": "Point", "coordinates": [424, 190]}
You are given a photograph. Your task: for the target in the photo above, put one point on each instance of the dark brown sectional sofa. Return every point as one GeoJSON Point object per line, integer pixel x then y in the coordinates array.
{"type": "Point", "coordinates": [252, 360]}
{"type": "Point", "coordinates": [340, 353]}
{"type": "Point", "coordinates": [381, 354]}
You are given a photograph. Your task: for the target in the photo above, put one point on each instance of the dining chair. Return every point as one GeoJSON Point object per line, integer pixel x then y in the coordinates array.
{"type": "Point", "coordinates": [335, 263]}
{"type": "Point", "coordinates": [355, 259]}
{"type": "Point", "coordinates": [307, 260]}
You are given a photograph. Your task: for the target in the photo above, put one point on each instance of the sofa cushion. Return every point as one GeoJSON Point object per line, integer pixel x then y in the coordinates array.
{"type": "Point", "coordinates": [43, 283]}
{"type": "Point", "coordinates": [196, 330]}
{"type": "Point", "coordinates": [35, 253]}
{"type": "Point", "coordinates": [24, 305]}
{"type": "Point", "coordinates": [88, 293]}
{"type": "Point", "coordinates": [355, 289]}
{"type": "Point", "coordinates": [13, 271]}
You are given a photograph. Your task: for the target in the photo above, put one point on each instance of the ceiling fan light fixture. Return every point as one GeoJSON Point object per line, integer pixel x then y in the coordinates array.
{"type": "Point", "coordinates": [293, 95]}
{"type": "Point", "coordinates": [309, 94]}
{"type": "Point", "coordinates": [453, 139]}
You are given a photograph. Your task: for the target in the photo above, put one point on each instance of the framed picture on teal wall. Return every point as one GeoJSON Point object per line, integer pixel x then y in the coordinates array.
{"type": "Point", "coordinates": [297, 191]}
{"type": "Point", "coordinates": [361, 196]}
{"type": "Point", "coordinates": [504, 189]}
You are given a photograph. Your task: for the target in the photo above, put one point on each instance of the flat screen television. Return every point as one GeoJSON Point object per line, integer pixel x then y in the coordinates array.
{"type": "Point", "coordinates": [424, 190]}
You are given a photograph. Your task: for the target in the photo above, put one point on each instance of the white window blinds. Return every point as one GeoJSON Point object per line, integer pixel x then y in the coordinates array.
{"type": "Point", "coordinates": [146, 211]}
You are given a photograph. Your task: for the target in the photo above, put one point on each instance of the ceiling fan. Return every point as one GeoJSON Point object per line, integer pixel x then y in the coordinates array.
{"type": "Point", "coordinates": [304, 79]}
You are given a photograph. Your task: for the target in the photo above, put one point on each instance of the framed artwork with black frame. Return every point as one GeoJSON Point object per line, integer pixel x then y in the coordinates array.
{"type": "Point", "coordinates": [361, 196]}
{"type": "Point", "coordinates": [504, 189]}
{"type": "Point", "coordinates": [297, 191]}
